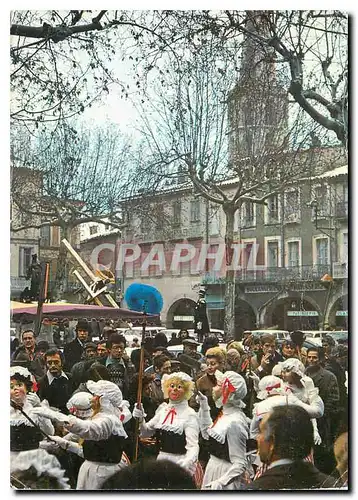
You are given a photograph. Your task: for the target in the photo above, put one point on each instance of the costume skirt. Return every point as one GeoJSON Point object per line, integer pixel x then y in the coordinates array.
{"type": "Point", "coordinates": [216, 468]}
{"type": "Point", "coordinates": [92, 475]}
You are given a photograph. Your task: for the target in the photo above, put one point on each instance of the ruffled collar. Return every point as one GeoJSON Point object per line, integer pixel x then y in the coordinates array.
{"type": "Point", "coordinates": [17, 418]}
{"type": "Point", "coordinates": [218, 430]}
{"type": "Point", "coordinates": [118, 428]}
{"type": "Point", "coordinates": [173, 416]}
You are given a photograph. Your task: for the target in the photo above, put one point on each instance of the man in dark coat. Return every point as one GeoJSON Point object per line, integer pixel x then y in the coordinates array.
{"type": "Point", "coordinates": [28, 352]}
{"type": "Point", "coordinates": [285, 439]}
{"type": "Point", "coordinates": [201, 323]}
{"type": "Point", "coordinates": [328, 388]}
{"type": "Point", "coordinates": [73, 350]}
{"type": "Point", "coordinates": [56, 385]}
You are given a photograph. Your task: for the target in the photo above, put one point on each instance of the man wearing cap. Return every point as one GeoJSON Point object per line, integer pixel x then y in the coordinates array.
{"type": "Point", "coordinates": [190, 359]}
{"type": "Point", "coordinates": [73, 350]}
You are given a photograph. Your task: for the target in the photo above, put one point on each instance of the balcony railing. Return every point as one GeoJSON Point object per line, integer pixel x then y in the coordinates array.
{"type": "Point", "coordinates": [272, 274]}
{"type": "Point", "coordinates": [342, 209]}
{"type": "Point", "coordinates": [340, 270]}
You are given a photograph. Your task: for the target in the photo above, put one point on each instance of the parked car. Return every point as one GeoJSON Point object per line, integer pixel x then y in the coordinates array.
{"type": "Point", "coordinates": [340, 337]}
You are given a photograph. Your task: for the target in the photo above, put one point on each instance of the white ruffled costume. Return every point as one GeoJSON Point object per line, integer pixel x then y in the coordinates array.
{"type": "Point", "coordinates": [179, 418]}
{"type": "Point", "coordinates": [43, 463]}
{"type": "Point", "coordinates": [272, 392]}
{"type": "Point", "coordinates": [308, 394]}
{"type": "Point", "coordinates": [17, 418]}
{"type": "Point", "coordinates": [114, 412]}
{"type": "Point", "coordinates": [232, 426]}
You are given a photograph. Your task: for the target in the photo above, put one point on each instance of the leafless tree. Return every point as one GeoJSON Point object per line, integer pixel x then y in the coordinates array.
{"type": "Point", "coordinates": [217, 126]}
{"type": "Point", "coordinates": [71, 179]}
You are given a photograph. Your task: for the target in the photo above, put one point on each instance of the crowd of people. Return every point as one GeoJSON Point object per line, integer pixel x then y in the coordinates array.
{"type": "Point", "coordinates": [240, 416]}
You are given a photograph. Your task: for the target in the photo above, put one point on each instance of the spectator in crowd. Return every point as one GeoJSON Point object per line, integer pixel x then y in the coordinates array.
{"type": "Point", "coordinates": [161, 340]}
{"type": "Point", "coordinates": [73, 350]}
{"type": "Point", "coordinates": [89, 356]}
{"type": "Point", "coordinates": [340, 419]}
{"type": "Point", "coordinates": [28, 351]}
{"type": "Point", "coordinates": [161, 365]}
{"type": "Point", "coordinates": [263, 362]}
{"type": "Point", "coordinates": [151, 475]}
{"type": "Point", "coordinates": [288, 349]}
{"type": "Point", "coordinates": [55, 386]}
{"type": "Point", "coordinates": [101, 349]}
{"type": "Point", "coordinates": [210, 341]}
{"type": "Point", "coordinates": [118, 364]}
{"type": "Point", "coordinates": [190, 359]}
{"type": "Point", "coordinates": [328, 388]}
{"type": "Point", "coordinates": [285, 439]}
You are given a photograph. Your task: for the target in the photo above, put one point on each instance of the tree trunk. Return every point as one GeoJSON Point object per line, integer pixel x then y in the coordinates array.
{"type": "Point", "coordinates": [229, 317]}
{"type": "Point", "coordinates": [61, 279]}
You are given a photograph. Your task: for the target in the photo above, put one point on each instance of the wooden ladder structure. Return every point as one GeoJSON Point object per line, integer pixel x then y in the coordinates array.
{"type": "Point", "coordinates": [95, 293]}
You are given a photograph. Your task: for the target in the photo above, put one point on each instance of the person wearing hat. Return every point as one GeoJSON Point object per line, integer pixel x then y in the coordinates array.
{"type": "Point", "coordinates": [228, 467]}
{"type": "Point", "coordinates": [292, 372]}
{"type": "Point", "coordinates": [24, 435]}
{"type": "Point", "coordinates": [190, 359]}
{"type": "Point", "coordinates": [103, 433]}
{"type": "Point", "coordinates": [176, 423]}
{"type": "Point", "coordinates": [271, 391]}
{"type": "Point", "coordinates": [73, 350]}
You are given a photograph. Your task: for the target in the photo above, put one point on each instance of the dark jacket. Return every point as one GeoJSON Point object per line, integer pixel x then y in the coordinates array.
{"type": "Point", "coordinates": [256, 362]}
{"type": "Point", "coordinates": [34, 365]}
{"type": "Point", "coordinates": [329, 392]}
{"type": "Point", "coordinates": [295, 476]}
{"type": "Point", "coordinates": [58, 393]}
{"type": "Point", "coordinates": [73, 353]}
{"type": "Point", "coordinates": [120, 375]}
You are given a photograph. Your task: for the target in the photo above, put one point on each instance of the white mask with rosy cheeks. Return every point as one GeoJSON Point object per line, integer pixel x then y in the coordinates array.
{"type": "Point", "coordinates": [176, 392]}
{"type": "Point", "coordinates": [18, 391]}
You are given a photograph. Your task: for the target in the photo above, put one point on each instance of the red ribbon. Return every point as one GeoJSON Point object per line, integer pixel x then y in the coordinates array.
{"type": "Point", "coordinates": [270, 387]}
{"type": "Point", "coordinates": [35, 387]}
{"type": "Point", "coordinates": [171, 414]}
{"type": "Point", "coordinates": [227, 389]}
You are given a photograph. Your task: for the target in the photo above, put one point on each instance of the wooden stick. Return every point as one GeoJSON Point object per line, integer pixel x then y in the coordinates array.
{"type": "Point", "coordinates": [139, 391]}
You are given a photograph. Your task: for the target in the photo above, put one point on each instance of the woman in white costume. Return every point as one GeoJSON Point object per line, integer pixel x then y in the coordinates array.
{"type": "Point", "coordinates": [103, 434]}
{"type": "Point", "coordinates": [228, 467]}
{"type": "Point", "coordinates": [292, 372]}
{"type": "Point", "coordinates": [272, 392]}
{"type": "Point", "coordinates": [24, 435]}
{"type": "Point", "coordinates": [175, 423]}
